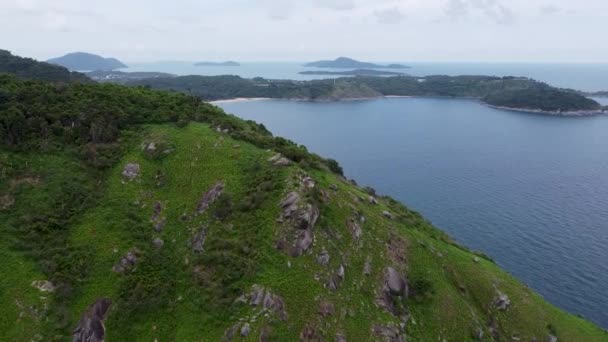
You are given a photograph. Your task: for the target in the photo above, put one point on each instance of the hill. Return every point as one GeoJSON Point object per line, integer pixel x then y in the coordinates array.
{"type": "Point", "coordinates": [227, 63]}
{"type": "Point", "coordinates": [122, 77]}
{"type": "Point", "coordinates": [27, 68]}
{"type": "Point", "coordinates": [349, 63]}
{"type": "Point", "coordinates": [510, 92]}
{"type": "Point", "coordinates": [356, 72]}
{"type": "Point", "coordinates": [82, 61]}
{"type": "Point", "coordinates": [133, 214]}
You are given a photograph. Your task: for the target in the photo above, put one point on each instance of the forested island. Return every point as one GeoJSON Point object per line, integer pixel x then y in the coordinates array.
{"type": "Point", "coordinates": [124, 77]}
{"type": "Point", "coordinates": [507, 92]}
{"type": "Point", "coordinates": [349, 63]}
{"type": "Point", "coordinates": [128, 213]}
{"type": "Point", "coordinates": [82, 61]}
{"type": "Point", "coordinates": [356, 72]}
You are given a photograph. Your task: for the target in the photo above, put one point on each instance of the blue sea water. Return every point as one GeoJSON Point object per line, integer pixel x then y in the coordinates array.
{"type": "Point", "coordinates": [529, 190]}
{"type": "Point", "coordinates": [586, 77]}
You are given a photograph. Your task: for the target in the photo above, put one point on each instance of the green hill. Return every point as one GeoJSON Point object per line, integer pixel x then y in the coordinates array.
{"type": "Point", "coordinates": [27, 68]}
{"type": "Point", "coordinates": [129, 214]}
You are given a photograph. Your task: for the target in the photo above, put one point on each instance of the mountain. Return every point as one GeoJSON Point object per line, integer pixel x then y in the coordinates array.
{"type": "Point", "coordinates": [227, 63]}
{"type": "Point", "coordinates": [133, 214]}
{"type": "Point", "coordinates": [82, 61]}
{"type": "Point", "coordinates": [349, 63]}
{"type": "Point", "coordinates": [27, 68]}
{"type": "Point", "coordinates": [356, 72]}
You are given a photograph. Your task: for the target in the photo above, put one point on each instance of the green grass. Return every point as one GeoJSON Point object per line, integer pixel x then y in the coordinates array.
{"type": "Point", "coordinates": [176, 294]}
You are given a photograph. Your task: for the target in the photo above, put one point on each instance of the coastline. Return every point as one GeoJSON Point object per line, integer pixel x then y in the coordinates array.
{"type": "Point", "coordinates": [578, 113]}
{"type": "Point", "coordinates": [240, 99]}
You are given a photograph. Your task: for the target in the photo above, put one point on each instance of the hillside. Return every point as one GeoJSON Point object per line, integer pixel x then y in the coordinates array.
{"type": "Point", "coordinates": [349, 63]}
{"type": "Point", "coordinates": [144, 215]}
{"type": "Point", "coordinates": [27, 68]}
{"type": "Point", "coordinates": [511, 92]}
{"type": "Point", "coordinates": [82, 61]}
{"type": "Point", "coordinates": [356, 72]}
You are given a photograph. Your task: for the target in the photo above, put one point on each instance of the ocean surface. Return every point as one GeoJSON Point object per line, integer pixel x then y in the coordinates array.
{"type": "Point", "coordinates": [529, 190]}
{"type": "Point", "coordinates": [586, 77]}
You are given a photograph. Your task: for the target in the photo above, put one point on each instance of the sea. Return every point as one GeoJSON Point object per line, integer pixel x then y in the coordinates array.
{"type": "Point", "coordinates": [529, 190]}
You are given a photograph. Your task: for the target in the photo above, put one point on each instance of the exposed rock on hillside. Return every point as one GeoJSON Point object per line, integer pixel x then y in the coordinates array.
{"type": "Point", "coordinates": [209, 197]}
{"type": "Point", "coordinates": [90, 328]}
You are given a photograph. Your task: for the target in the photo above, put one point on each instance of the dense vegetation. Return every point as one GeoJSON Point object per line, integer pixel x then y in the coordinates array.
{"type": "Point", "coordinates": [199, 231]}
{"type": "Point", "coordinates": [519, 93]}
{"type": "Point", "coordinates": [356, 72]}
{"type": "Point", "coordinates": [122, 77]}
{"type": "Point", "coordinates": [27, 68]}
{"type": "Point", "coordinates": [82, 61]}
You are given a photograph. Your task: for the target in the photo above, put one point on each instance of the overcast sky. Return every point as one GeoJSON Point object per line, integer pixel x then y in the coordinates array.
{"type": "Point", "coordinates": [301, 30]}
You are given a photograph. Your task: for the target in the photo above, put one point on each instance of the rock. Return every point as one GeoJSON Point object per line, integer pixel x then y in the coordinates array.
{"type": "Point", "coordinates": [90, 328]}
{"type": "Point", "coordinates": [209, 197]}
{"type": "Point", "coordinates": [198, 240]}
{"type": "Point", "coordinates": [308, 182]}
{"type": "Point", "coordinates": [157, 209]}
{"type": "Point", "coordinates": [257, 296]}
{"type": "Point", "coordinates": [391, 334]}
{"type": "Point", "coordinates": [340, 337]}
{"type": "Point", "coordinates": [290, 204]}
{"type": "Point", "coordinates": [502, 302]}
{"type": "Point", "coordinates": [387, 215]}
{"type": "Point", "coordinates": [43, 285]}
{"type": "Point", "coordinates": [6, 201]}
{"type": "Point", "coordinates": [323, 258]}
{"type": "Point", "coordinates": [333, 283]}
{"type": "Point", "coordinates": [127, 262]}
{"type": "Point", "coordinates": [373, 200]}
{"type": "Point", "coordinates": [279, 160]}
{"type": "Point", "coordinates": [158, 243]}
{"type": "Point", "coordinates": [333, 187]}
{"type": "Point", "coordinates": [551, 338]}
{"type": "Point", "coordinates": [385, 301]}
{"type": "Point", "coordinates": [309, 333]}
{"type": "Point", "coordinates": [245, 329]}
{"type": "Point", "coordinates": [303, 243]}
{"type": "Point", "coordinates": [394, 282]}
{"type": "Point", "coordinates": [397, 249]}
{"type": "Point", "coordinates": [326, 309]}
{"type": "Point", "coordinates": [354, 228]}
{"type": "Point", "coordinates": [265, 334]}
{"type": "Point", "coordinates": [341, 272]}
{"type": "Point", "coordinates": [131, 171]}
{"type": "Point", "coordinates": [230, 333]}
{"type": "Point", "coordinates": [307, 217]}
{"type": "Point", "coordinates": [160, 224]}
{"type": "Point", "coordinates": [269, 301]}
{"type": "Point", "coordinates": [476, 259]}
{"type": "Point", "coordinates": [367, 267]}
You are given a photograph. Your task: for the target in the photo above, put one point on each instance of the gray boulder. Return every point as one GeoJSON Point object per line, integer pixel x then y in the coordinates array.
{"type": "Point", "coordinates": [209, 197]}
{"type": "Point", "coordinates": [90, 328]}
{"type": "Point", "coordinates": [394, 282]}
{"type": "Point", "coordinates": [131, 171]}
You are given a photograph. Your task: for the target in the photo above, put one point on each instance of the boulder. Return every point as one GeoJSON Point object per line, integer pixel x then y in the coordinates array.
{"type": "Point", "coordinates": [44, 285]}
{"type": "Point", "coordinates": [340, 337]}
{"type": "Point", "coordinates": [387, 214]}
{"type": "Point", "coordinates": [390, 334]}
{"type": "Point", "coordinates": [309, 334]}
{"type": "Point", "coordinates": [265, 334]}
{"type": "Point", "coordinates": [131, 171]}
{"type": "Point", "coordinates": [157, 209]}
{"type": "Point", "coordinates": [367, 267]}
{"type": "Point", "coordinates": [158, 243]}
{"type": "Point", "coordinates": [160, 224]}
{"type": "Point", "coordinates": [303, 242]}
{"type": "Point", "coordinates": [198, 240]}
{"type": "Point", "coordinates": [290, 204]}
{"type": "Point", "coordinates": [209, 197]}
{"type": "Point", "coordinates": [323, 258]}
{"type": "Point", "coordinates": [90, 328]}
{"type": "Point", "coordinates": [245, 329]}
{"type": "Point", "coordinates": [127, 262]}
{"type": "Point", "coordinates": [326, 309]}
{"type": "Point", "coordinates": [354, 228]}
{"type": "Point", "coordinates": [307, 217]}
{"type": "Point", "coordinates": [394, 282]}
{"type": "Point", "coordinates": [373, 200]}
{"type": "Point", "coordinates": [502, 301]}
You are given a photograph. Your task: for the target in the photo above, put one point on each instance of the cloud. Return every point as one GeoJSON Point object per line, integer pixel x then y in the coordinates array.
{"type": "Point", "coordinates": [338, 5]}
{"type": "Point", "coordinates": [488, 9]}
{"type": "Point", "coordinates": [389, 16]}
{"type": "Point", "coordinates": [549, 9]}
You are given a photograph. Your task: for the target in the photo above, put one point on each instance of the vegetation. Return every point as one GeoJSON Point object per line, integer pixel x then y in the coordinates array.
{"type": "Point", "coordinates": [356, 72]}
{"type": "Point", "coordinates": [29, 69]}
{"type": "Point", "coordinates": [349, 63]}
{"type": "Point", "coordinates": [69, 215]}
{"type": "Point", "coordinates": [518, 93]}
{"type": "Point", "coordinates": [122, 77]}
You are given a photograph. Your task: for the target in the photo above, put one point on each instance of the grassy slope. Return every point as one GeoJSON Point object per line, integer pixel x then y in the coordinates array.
{"type": "Point", "coordinates": [175, 294]}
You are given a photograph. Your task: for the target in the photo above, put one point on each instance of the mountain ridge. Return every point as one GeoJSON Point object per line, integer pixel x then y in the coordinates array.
{"type": "Point", "coordinates": [83, 61]}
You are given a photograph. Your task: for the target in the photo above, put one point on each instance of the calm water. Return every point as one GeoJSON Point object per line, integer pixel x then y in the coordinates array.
{"type": "Point", "coordinates": [587, 77]}
{"type": "Point", "coordinates": [529, 190]}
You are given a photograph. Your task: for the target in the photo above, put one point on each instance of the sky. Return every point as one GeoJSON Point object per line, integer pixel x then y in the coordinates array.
{"type": "Point", "coordinates": [571, 31]}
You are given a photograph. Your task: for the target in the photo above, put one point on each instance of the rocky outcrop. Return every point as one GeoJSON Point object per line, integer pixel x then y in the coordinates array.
{"type": "Point", "coordinates": [354, 228]}
{"type": "Point", "coordinates": [396, 285]}
{"type": "Point", "coordinates": [127, 262]}
{"type": "Point", "coordinates": [209, 197]}
{"type": "Point", "coordinates": [388, 334]}
{"type": "Point", "coordinates": [326, 309]}
{"type": "Point", "coordinates": [502, 302]}
{"type": "Point", "coordinates": [44, 285]}
{"type": "Point", "coordinates": [298, 219]}
{"type": "Point", "coordinates": [279, 160]}
{"type": "Point", "coordinates": [131, 171]}
{"type": "Point", "coordinates": [265, 299]}
{"type": "Point", "coordinates": [323, 258]}
{"type": "Point", "coordinates": [198, 240]}
{"type": "Point", "coordinates": [90, 328]}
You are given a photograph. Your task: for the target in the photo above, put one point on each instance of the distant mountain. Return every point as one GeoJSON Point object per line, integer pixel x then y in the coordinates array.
{"type": "Point", "coordinates": [349, 63]}
{"type": "Point", "coordinates": [82, 61]}
{"type": "Point", "coordinates": [30, 69]}
{"type": "Point", "coordinates": [227, 63]}
{"type": "Point", "coordinates": [356, 72]}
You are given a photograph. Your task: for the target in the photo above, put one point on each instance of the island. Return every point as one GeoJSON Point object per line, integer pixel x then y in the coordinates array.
{"type": "Point", "coordinates": [218, 64]}
{"type": "Point", "coordinates": [514, 93]}
{"type": "Point", "coordinates": [356, 72]}
{"type": "Point", "coordinates": [82, 61]}
{"type": "Point", "coordinates": [349, 63]}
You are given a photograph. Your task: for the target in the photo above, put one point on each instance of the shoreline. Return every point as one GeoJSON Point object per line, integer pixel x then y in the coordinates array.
{"type": "Point", "coordinates": [240, 99]}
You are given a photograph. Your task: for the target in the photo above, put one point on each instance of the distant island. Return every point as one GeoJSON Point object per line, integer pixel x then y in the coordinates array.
{"type": "Point", "coordinates": [82, 61]}
{"type": "Point", "coordinates": [219, 64]}
{"type": "Point", "coordinates": [349, 63]}
{"type": "Point", "coordinates": [122, 77]}
{"type": "Point", "coordinates": [356, 72]}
